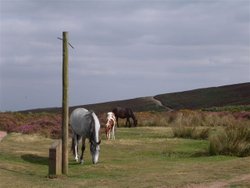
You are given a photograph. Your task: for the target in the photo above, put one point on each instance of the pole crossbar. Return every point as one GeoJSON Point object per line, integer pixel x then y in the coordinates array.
{"type": "Point", "coordinates": [68, 43]}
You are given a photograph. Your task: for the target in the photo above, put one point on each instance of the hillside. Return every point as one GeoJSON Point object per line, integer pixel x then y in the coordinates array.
{"type": "Point", "coordinates": [237, 94]}
{"type": "Point", "coordinates": [137, 104]}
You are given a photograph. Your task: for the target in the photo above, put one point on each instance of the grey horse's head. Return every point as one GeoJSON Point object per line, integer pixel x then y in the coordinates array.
{"type": "Point", "coordinates": [95, 151]}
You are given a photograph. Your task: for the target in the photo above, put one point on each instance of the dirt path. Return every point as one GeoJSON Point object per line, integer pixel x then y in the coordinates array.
{"type": "Point", "coordinates": [157, 102]}
{"type": "Point", "coordinates": [2, 135]}
{"type": "Point", "coordinates": [223, 184]}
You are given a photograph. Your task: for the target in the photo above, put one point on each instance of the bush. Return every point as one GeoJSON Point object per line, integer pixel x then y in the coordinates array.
{"type": "Point", "coordinates": [233, 140]}
{"type": "Point", "coordinates": [183, 132]}
{"type": "Point", "coordinates": [190, 132]}
{"type": "Point", "coordinates": [202, 133]}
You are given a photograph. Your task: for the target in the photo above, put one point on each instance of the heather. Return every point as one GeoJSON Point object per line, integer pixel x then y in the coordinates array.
{"type": "Point", "coordinates": [227, 132]}
{"type": "Point", "coordinates": [45, 124]}
{"type": "Point", "coordinates": [192, 118]}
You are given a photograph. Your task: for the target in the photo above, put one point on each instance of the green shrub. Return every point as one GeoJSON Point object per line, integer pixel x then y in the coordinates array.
{"type": "Point", "coordinates": [190, 132]}
{"type": "Point", "coordinates": [201, 133]}
{"type": "Point", "coordinates": [183, 132]}
{"type": "Point", "coordinates": [233, 140]}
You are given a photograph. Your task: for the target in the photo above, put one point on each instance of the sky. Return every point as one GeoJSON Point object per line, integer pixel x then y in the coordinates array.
{"type": "Point", "coordinates": [122, 49]}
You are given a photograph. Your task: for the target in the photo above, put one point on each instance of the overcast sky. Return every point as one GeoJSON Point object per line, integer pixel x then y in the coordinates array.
{"type": "Point", "coordinates": [123, 48]}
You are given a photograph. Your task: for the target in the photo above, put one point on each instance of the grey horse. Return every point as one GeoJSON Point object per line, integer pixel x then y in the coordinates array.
{"type": "Point", "coordinates": [85, 124]}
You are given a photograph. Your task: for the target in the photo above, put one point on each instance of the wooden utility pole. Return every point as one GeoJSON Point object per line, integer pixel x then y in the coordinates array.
{"type": "Point", "coordinates": [65, 108]}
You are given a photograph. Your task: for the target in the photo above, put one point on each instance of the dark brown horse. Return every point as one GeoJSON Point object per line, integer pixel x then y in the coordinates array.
{"type": "Point", "coordinates": [124, 113]}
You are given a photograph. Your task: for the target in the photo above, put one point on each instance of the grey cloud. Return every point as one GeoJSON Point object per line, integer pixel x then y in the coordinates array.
{"type": "Point", "coordinates": [149, 46]}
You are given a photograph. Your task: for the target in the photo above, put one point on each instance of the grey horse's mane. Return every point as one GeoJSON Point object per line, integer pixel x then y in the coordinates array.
{"type": "Point", "coordinates": [92, 135]}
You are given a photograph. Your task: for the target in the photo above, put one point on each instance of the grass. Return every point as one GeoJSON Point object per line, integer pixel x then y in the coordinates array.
{"type": "Point", "coordinates": [139, 157]}
{"type": "Point", "coordinates": [191, 132]}
{"type": "Point", "coordinates": [233, 140]}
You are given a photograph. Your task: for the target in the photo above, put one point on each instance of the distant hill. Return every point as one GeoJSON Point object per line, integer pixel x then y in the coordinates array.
{"type": "Point", "coordinates": [137, 104]}
{"type": "Point", "coordinates": [237, 94]}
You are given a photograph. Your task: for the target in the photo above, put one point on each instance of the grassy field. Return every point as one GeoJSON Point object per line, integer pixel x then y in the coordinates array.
{"type": "Point", "coordinates": [139, 157]}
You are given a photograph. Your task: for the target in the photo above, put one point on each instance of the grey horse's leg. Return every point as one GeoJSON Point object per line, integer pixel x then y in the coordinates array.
{"type": "Point", "coordinates": [83, 148]}
{"type": "Point", "coordinates": [75, 147]}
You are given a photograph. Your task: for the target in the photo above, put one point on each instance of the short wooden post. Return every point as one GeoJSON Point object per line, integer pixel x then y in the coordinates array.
{"type": "Point", "coordinates": [55, 159]}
